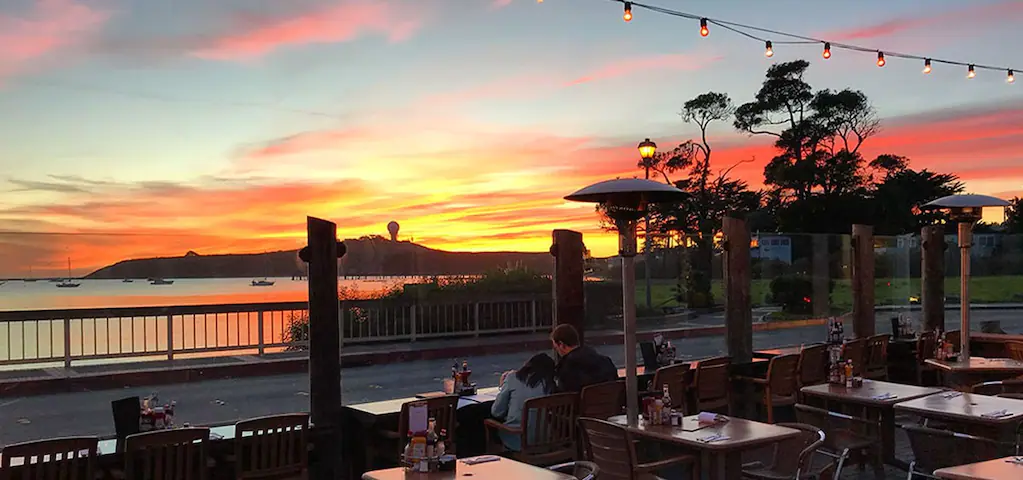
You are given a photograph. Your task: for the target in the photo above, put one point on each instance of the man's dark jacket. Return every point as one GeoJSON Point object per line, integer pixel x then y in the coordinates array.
{"type": "Point", "coordinates": [583, 367]}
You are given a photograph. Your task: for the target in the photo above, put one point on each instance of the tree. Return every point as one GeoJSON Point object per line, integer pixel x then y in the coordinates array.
{"type": "Point", "coordinates": [818, 170]}
{"type": "Point", "coordinates": [1014, 216]}
{"type": "Point", "coordinates": [897, 199]}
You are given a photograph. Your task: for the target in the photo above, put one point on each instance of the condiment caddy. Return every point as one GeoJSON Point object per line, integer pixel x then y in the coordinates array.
{"type": "Point", "coordinates": [460, 377]}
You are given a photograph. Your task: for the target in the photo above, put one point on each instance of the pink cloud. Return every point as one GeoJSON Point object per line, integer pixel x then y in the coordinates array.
{"type": "Point", "coordinates": [47, 26]}
{"type": "Point", "coordinates": [500, 3]}
{"type": "Point", "coordinates": [346, 21]}
{"type": "Point", "coordinates": [973, 15]}
{"type": "Point", "coordinates": [634, 65]}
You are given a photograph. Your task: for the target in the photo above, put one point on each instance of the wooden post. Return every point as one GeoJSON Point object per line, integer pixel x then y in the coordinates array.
{"type": "Point", "coordinates": [738, 308]}
{"type": "Point", "coordinates": [821, 276]}
{"type": "Point", "coordinates": [863, 281]}
{"type": "Point", "coordinates": [324, 347]}
{"type": "Point", "coordinates": [569, 305]}
{"type": "Point", "coordinates": [932, 277]}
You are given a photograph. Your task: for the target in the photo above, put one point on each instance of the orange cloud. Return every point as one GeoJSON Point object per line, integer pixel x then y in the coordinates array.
{"type": "Point", "coordinates": [972, 15]}
{"type": "Point", "coordinates": [345, 21]}
{"type": "Point", "coordinates": [48, 26]}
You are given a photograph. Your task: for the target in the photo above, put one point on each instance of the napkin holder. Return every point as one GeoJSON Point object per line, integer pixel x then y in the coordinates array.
{"type": "Point", "coordinates": [710, 417]}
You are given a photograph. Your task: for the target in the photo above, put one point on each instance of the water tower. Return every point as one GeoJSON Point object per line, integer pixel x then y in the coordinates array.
{"type": "Point", "coordinates": [393, 229]}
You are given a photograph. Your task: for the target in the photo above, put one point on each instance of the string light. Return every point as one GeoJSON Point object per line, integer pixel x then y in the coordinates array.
{"type": "Point", "coordinates": [751, 31]}
{"type": "Point", "coordinates": [971, 72]}
{"type": "Point", "coordinates": [1011, 78]}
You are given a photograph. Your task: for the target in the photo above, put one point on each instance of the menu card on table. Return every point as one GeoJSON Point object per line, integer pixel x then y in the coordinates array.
{"type": "Point", "coordinates": [418, 417]}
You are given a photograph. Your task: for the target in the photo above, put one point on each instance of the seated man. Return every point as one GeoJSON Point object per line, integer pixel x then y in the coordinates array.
{"type": "Point", "coordinates": [579, 365]}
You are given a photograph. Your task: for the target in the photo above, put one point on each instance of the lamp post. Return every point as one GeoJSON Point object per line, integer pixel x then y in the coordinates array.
{"type": "Point", "coordinates": [966, 210]}
{"type": "Point", "coordinates": [647, 149]}
{"type": "Point", "coordinates": [625, 201]}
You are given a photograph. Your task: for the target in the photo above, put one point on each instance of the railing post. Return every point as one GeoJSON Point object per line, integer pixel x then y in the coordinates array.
{"type": "Point", "coordinates": [67, 342]}
{"type": "Point", "coordinates": [259, 331]}
{"type": "Point", "coordinates": [412, 321]}
{"type": "Point", "coordinates": [476, 318]}
{"type": "Point", "coordinates": [532, 312]}
{"type": "Point", "coordinates": [864, 322]}
{"type": "Point", "coordinates": [170, 337]}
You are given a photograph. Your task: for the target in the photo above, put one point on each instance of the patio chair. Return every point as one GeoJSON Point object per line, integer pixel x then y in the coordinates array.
{"type": "Point", "coordinates": [793, 458]}
{"type": "Point", "coordinates": [674, 376]}
{"type": "Point", "coordinates": [272, 447]}
{"type": "Point", "coordinates": [876, 363]}
{"type": "Point", "coordinates": [712, 385]}
{"type": "Point", "coordinates": [935, 449]}
{"type": "Point", "coordinates": [845, 435]}
{"type": "Point", "coordinates": [924, 350]}
{"type": "Point", "coordinates": [580, 470]}
{"type": "Point", "coordinates": [602, 400]}
{"type": "Point", "coordinates": [1015, 350]}
{"type": "Point", "coordinates": [442, 409]}
{"type": "Point", "coordinates": [548, 429]}
{"type": "Point", "coordinates": [613, 449]}
{"type": "Point", "coordinates": [51, 459]}
{"type": "Point", "coordinates": [1012, 386]}
{"type": "Point", "coordinates": [813, 365]}
{"type": "Point", "coordinates": [781, 385]}
{"type": "Point", "coordinates": [856, 350]}
{"type": "Point", "coordinates": [147, 456]}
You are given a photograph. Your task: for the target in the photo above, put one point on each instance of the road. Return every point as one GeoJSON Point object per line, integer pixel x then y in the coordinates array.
{"type": "Point", "coordinates": [220, 401]}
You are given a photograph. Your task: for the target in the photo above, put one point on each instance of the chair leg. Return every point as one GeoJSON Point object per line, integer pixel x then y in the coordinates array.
{"type": "Point", "coordinates": [770, 410]}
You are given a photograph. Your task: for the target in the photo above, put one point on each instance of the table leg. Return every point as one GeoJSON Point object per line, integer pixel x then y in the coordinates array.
{"type": "Point", "coordinates": [733, 465]}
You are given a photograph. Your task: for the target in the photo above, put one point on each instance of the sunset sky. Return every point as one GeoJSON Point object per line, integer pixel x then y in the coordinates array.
{"type": "Point", "coordinates": [218, 126]}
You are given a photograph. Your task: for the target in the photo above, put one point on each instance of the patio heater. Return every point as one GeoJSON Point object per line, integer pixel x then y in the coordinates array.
{"type": "Point", "coordinates": [966, 211]}
{"type": "Point", "coordinates": [625, 201]}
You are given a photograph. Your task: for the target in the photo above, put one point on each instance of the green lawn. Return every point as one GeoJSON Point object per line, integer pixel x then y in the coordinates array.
{"type": "Point", "coordinates": [996, 289]}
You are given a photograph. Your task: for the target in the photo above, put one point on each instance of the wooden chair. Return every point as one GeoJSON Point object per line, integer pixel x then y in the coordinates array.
{"type": "Point", "coordinates": [925, 345]}
{"type": "Point", "coordinates": [712, 385]}
{"type": "Point", "coordinates": [442, 409]}
{"type": "Point", "coordinates": [579, 470]}
{"type": "Point", "coordinates": [780, 387]}
{"type": "Point", "coordinates": [126, 413]}
{"type": "Point", "coordinates": [178, 454]}
{"type": "Point", "coordinates": [856, 350]}
{"type": "Point", "coordinates": [272, 447]}
{"type": "Point", "coordinates": [674, 376]}
{"type": "Point", "coordinates": [51, 459]}
{"type": "Point", "coordinates": [1014, 385]}
{"type": "Point", "coordinates": [613, 449]}
{"type": "Point", "coordinates": [602, 400]}
{"type": "Point", "coordinates": [954, 337]}
{"type": "Point", "coordinates": [547, 431]}
{"type": "Point", "coordinates": [876, 365]}
{"type": "Point", "coordinates": [793, 458]}
{"type": "Point", "coordinates": [813, 365]}
{"type": "Point", "coordinates": [1015, 350]}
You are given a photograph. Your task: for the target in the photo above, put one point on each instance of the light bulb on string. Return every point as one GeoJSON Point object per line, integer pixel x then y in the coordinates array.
{"type": "Point", "coordinates": [768, 49]}
{"type": "Point", "coordinates": [880, 59]}
{"type": "Point", "coordinates": [1011, 78]}
{"type": "Point", "coordinates": [927, 65]}
{"type": "Point", "coordinates": [971, 72]}
{"type": "Point", "coordinates": [704, 31]}
{"type": "Point", "coordinates": [627, 16]}
{"type": "Point", "coordinates": [827, 50]}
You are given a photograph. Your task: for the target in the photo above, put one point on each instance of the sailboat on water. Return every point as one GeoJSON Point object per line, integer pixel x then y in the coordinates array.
{"type": "Point", "coordinates": [264, 282]}
{"type": "Point", "coordinates": [67, 283]}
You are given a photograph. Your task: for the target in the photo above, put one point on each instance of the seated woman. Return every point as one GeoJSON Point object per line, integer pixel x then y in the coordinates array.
{"type": "Point", "coordinates": [534, 379]}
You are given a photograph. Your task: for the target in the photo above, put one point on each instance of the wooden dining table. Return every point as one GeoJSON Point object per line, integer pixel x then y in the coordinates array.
{"type": "Point", "coordinates": [965, 412]}
{"type": "Point", "coordinates": [503, 468]}
{"type": "Point", "coordinates": [997, 469]}
{"type": "Point", "coordinates": [866, 399]}
{"type": "Point", "coordinates": [964, 375]}
{"type": "Point", "coordinates": [725, 455]}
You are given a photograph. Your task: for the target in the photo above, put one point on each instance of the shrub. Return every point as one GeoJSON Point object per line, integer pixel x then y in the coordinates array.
{"type": "Point", "coordinates": [795, 293]}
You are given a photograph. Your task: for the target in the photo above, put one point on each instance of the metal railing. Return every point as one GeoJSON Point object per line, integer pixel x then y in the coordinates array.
{"type": "Point", "coordinates": [50, 336]}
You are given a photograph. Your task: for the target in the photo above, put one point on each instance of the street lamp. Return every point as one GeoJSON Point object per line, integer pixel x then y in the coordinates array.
{"type": "Point", "coordinates": [625, 201]}
{"type": "Point", "coordinates": [647, 149]}
{"type": "Point", "coordinates": [966, 210]}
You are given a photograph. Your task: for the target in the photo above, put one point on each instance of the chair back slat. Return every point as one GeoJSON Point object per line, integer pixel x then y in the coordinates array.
{"type": "Point", "coordinates": [178, 454]}
{"type": "Point", "coordinates": [70, 458]}
{"type": "Point", "coordinates": [609, 446]}
{"type": "Point", "coordinates": [813, 365]}
{"type": "Point", "coordinates": [548, 425]}
{"type": "Point", "coordinates": [782, 375]}
{"type": "Point", "coordinates": [442, 409]}
{"type": "Point", "coordinates": [603, 400]}
{"type": "Point", "coordinates": [674, 376]}
{"type": "Point", "coordinates": [272, 446]}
